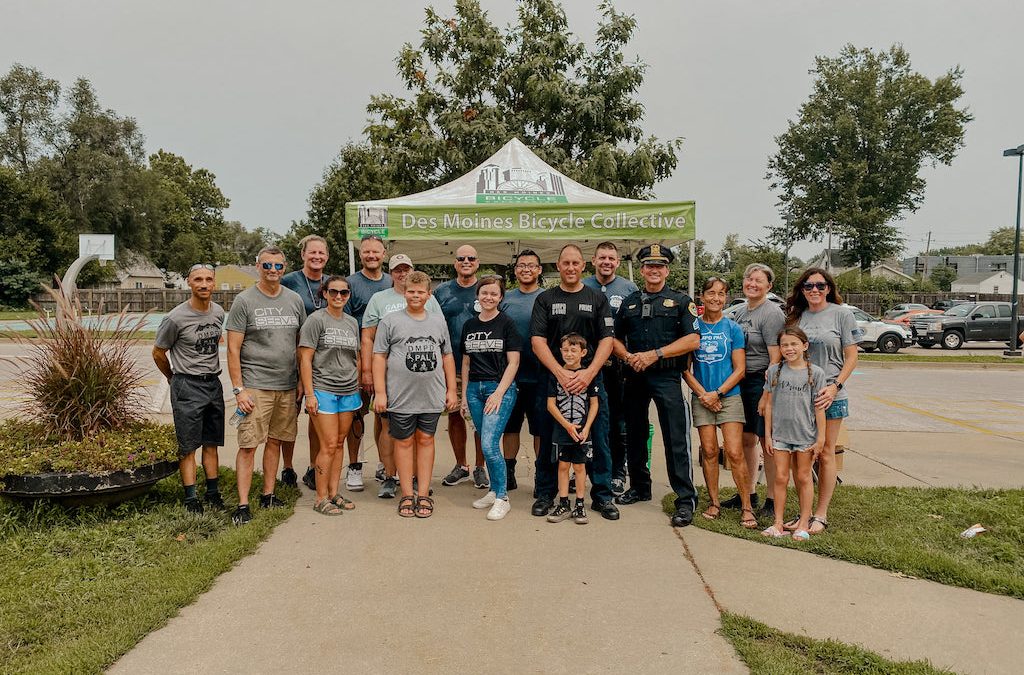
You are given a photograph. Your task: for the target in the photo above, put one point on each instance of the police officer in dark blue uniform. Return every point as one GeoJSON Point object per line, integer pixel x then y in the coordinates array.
{"type": "Point", "coordinates": [655, 330]}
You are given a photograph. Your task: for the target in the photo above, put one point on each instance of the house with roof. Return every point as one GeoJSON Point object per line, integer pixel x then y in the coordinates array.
{"type": "Point", "coordinates": [236, 277]}
{"type": "Point", "coordinates": [986, 282]}
{"type": "Point", "coordinates": [134, 270]}
{"type": "Point", "coordinates": [837, 263]}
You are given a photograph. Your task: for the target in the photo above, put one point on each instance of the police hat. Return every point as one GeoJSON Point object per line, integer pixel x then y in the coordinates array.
{"type": "Point", "coordinates": [655, 254]}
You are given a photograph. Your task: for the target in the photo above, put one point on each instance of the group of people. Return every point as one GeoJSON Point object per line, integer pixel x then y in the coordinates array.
{"type": "Point", "coordinates": [579, 363]}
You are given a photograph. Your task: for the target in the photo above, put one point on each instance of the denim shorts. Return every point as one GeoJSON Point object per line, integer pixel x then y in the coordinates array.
{"type": "Point", "coordinates": [331, 404]}
{"type": "Point", "coordinates": [791, 447]}
{"type": "Point", "coordinates": [838, 410]}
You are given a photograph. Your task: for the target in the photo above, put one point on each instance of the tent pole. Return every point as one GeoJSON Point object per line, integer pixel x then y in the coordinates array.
{"type": "Point", "coordinates": [351, 258]}
{"type": "Point", "coordinates": [693, 254]}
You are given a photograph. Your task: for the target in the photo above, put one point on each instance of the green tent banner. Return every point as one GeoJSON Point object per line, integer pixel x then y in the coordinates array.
{"type": "Point", "coordinates": [614, 220]}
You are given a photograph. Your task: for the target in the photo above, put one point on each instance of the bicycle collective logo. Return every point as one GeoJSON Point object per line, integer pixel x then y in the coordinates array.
{"type": "Point", "coordinates": [495, 185]}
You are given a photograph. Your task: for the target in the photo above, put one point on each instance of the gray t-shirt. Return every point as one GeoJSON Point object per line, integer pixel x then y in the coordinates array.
{"type": "Point", "coordinates": [829, 331]}
{"type": "Point", "coordinates": [415, 347]}
{"type": "Point", "coordinates": [616, 291]}
{"type": "Point", "coordinates": [761, 327]}
{"type": "Point", "coordinates": [388, 301]}
{"type": "Point", "coordinates": [336, 348]}
{"type": "Point", "coordinates": [364, 288]}
{"type": "Point", "coordinates": [793, 404]}
{"type": "Point", "coordinates": [271, 328]}
{"type": "Point", "coordinates": [192, 338]}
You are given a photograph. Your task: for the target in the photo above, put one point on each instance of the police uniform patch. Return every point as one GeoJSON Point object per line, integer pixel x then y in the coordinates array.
{"type": "Point", "coordinates": [669, 302]}
{"type": "Point", "coordinates": [693, 309]}
{"type": "Point", "coordinates": [633, 306]}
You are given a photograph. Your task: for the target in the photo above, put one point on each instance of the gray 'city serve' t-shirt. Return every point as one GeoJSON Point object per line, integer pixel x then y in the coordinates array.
{"type": "Point", "coordinates": [336, 351]}
{"type": "Point", "coordinates": [389, 301]}
{"type": "Point", "coordinates": [830, 331]}
{"type": "Point", "coordinates": [793, 404]}
{"type": "Point", "coordinates": [192, 338]}
{"type": "Point", "coordinates": [271, 328]}
{"type": "Point", "coordinates": [761, 327]}
{"type": "Point", "coordinates": [616, 290]}
{"type": "Point", "coordinates": [415, 347]}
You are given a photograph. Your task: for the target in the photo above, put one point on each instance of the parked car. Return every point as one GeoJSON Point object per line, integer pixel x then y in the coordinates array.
{"type": "Point", "coordinates": [902, 309]}
{"type": "Point", "coordinates": [734, 306]}
{"type": "Point", "coordinates": [887, 338]}
{"type": "Point", "coordinates": [948, 303]}
{"type": "Point", "coordinates": [904, 318]}
{"type": "Point", "coordinates": [974, 321]}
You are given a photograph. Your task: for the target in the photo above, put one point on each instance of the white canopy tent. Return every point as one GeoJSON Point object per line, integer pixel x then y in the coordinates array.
{"type": "Point", "coordinates": [514, 200]}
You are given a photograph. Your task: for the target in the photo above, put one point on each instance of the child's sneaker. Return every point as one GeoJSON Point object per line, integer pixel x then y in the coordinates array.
{"type": "Point", "coordinates": [579, 513]}
{"type": "Point", "coordinates": [500, 509]}
{"type": "Point", "coordinates": [561, 512]}
{"type": "Point", "coordinates": [485, 501]}
{"type": "Point", "coordinates": [242, 515]}
{"type": "Point", "coordinates": [457, 475]}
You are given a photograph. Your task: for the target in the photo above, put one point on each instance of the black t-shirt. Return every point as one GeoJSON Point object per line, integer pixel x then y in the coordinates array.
{"type": "Point", "coordinates": [486, 343]}
{"type": "Point", "coordinates": [557, 313]}
{"type": "Point", "coordinates": [574, 408]}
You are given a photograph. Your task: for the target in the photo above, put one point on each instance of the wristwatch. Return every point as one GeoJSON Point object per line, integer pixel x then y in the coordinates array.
{"type": "Point", "coordinates": [237, 390]}
{"type": "Point", "coordinates": [839, 385]}
{"type": "Point", "coordinates": [660, 353]}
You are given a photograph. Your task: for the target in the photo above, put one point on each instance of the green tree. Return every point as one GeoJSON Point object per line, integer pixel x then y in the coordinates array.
{"type": "Point", "coordinates": [943, 277]}
{"type": "Point", "coordinates": [850, 164]}
{"type": "Point", "coordinates": [473, 86]}
{"type": "Point", "coordinates": [999, 242]}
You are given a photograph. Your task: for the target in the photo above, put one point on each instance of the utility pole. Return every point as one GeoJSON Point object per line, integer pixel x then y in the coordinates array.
{"type": "Point", "coordinates": [927, 254]}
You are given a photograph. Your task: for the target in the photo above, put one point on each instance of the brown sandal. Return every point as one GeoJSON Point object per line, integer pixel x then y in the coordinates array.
{"type": "Point", "coordinates": [342, 503]}
{"type": "Point", "coordinates": [424, 507]}
{"type": "Point", "coordinates": [707, 515]}
{"type": "Point", "coordinates": [749, 523]}
{"type": "Point", "coordinates": [407, 506]}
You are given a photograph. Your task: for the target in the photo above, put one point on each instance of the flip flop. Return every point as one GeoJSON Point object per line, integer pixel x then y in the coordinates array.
{"type": "Point", "coordinates": [801, 535]}
{"type": "Point", "coordinates": [773, 532]}
{"type": "Point", "coordinates": [820, 521]}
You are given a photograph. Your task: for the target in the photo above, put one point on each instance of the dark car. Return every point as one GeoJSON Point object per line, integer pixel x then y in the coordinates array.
{"type": "Point", "coordinates": [974, 321]}
{"type": "Point", "coordinates": [948, 303]}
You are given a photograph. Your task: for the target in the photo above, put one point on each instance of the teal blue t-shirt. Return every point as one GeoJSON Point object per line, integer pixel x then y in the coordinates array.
{"type": "Point", "coordinates": [712, 362]}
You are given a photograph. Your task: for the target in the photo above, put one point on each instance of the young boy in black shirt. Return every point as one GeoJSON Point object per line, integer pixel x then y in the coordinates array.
{"type": "Point", "coordinates": [571, 445]}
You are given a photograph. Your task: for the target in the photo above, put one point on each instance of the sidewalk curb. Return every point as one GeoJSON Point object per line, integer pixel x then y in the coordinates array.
{"type": "Point", "coordinates": [939, 365]}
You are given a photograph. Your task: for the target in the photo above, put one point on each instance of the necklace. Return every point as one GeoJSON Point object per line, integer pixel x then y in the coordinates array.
{"type": "Point", "coordinates": [316, 299]}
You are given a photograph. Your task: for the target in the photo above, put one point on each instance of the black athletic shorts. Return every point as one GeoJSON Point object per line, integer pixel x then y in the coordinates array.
{"type": "Point", "coordinates": [575, 453]}
{"type": "Point", "coordinates": [525, 408]}
{"type": "Point", "coordinates": [402, 425]}
{"type": "Point", "coordinates": [751, 390]}
{"type": "Point", "coordinates": [197, 403]}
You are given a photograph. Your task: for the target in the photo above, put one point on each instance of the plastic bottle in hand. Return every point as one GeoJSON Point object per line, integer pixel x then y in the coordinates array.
{"type": "Point", "coordinates": [237, 418]}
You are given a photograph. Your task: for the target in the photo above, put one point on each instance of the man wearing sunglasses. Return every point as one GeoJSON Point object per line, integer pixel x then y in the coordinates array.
{"type": "Point", "coordinates": [263, 332]}
{"type": "Point", "coordinates": [457, 298]}
{"type": "Point", "coordinates": [190, 333]}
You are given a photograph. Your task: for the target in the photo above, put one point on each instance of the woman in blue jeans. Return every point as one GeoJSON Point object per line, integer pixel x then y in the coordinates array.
{"type": "Point", "coordinates": [490, 358]}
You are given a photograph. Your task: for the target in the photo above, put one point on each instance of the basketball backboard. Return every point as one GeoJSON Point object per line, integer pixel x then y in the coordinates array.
{"type": "Point", "coordinates": [101, 245]}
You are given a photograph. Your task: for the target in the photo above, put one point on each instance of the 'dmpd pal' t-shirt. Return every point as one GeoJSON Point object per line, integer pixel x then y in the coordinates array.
{"type": "Point", "coordinates": [415, 349]}
{"type": "Point", "coordinates": [558, 312]}
{"type": "Point", "coordinates": [192, 338]}
{"type": "Point", "coordinates": [487, 344]}
{"type": "Point", "coordinates": [336, 347]}
{"type": "Point", "coordinates": [271, 327]}
{"type": "Point", "coordinates": [712, 362]}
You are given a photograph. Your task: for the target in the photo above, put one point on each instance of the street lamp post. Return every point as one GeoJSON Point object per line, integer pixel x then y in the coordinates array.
{"type": "Point", "coordinates": [1017, 152]}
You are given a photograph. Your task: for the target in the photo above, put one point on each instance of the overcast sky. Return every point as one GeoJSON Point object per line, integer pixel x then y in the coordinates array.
{"type": "Point", "coordinates": [264, 93]}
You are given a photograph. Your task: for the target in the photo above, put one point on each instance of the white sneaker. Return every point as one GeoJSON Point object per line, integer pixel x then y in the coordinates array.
{"type": "Point", "coordinates": [354, 477]}
{"type": "Point", "coordinates": [499, 510]}
{"type": "Point", "coordinates": [485, 501]}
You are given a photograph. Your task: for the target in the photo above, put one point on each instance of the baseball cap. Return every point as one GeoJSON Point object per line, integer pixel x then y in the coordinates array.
{"type": "Point", "coordinates": [400, 259]}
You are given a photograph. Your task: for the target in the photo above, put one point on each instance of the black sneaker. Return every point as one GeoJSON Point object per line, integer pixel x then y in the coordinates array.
{"type": "Point", "coordinates": [242, 515]}
{"type": "Point", "coordinates": [290, 478]}
{"type": "Point", "coordinates": [579, 513]}
{"type": "Point", "coordinates": [767, 509]}
{"type": "Point", "coordinates": [214, 500]}
{"type": "Point", "coordinates": [193, 505]}
{"type": "Point", "coordinates": [541, 507]}
{"type": "Point", "coordinates": [607, 510]}
{"type": "Point", "coordinates": [308, 479]}
{"type": "Point", "coordinates": [755, 501]}
{"type": "Point", "coordinates": [561, 512]}
{"type": "Point", "coordinates": [271, 502]}
{"type": "Point", "coordinates": [510, 482]}
{"type": "Point", "coordinates": [733, 502]}
{"type": "Point", "coordinates": [682, 517]}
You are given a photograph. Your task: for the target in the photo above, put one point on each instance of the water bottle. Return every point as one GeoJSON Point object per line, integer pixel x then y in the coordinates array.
{"type": "Point", "coordinates": [237, 418]}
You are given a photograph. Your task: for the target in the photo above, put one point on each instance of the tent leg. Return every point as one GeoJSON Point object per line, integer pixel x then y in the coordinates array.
{"type": "Point", "coordinates": [351, 258]}
{"type": "Point", "coordinates": [693, 255]}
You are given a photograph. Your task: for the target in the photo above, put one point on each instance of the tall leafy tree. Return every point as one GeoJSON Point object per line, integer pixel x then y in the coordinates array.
{"type": "Point", "coordinates": [850, 163]}
{"type": "Point", "coordinates": [471, 86]}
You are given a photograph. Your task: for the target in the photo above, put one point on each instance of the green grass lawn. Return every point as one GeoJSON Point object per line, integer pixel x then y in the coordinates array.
{"type": "Point", "coordinates": [940, 356]}
{"type": "Point", "coordinates": [915, 531]}
{"type": "Point", "coordinates": [80, 588]}
{"type": "Point", "coordinates": [767, 651]}
{"type": "Point", "coordinates": [17, 314]}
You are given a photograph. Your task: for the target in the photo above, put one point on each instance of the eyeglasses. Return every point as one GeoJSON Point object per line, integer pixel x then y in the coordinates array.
{"type": "Point", "coordinates": [464, 258]}
{"type": "Point", "coordinates": [527, 266]}
{"type": "Point", "coordinates": [272, 266]}
{"type": "Point", "coordinates": [342, 292]}
{"type": "Point", "coordinates": [811, 285]}
{"type": "Point", "coordinates": [201, 266]}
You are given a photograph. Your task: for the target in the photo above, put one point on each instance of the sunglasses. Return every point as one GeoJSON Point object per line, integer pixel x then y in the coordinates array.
{"type": "Point", "coordinates": [372, 237]}
{"type": "Point", "coordinates": [343, 292]}
{"type": "Point", "coordinates": [201, 266]}
{"type": "Point", "coordinates": [464, 258]}
{"type": "Point", "coordinates": [272, 266]}
{"type": "Point", "coordinates": [811, 285]}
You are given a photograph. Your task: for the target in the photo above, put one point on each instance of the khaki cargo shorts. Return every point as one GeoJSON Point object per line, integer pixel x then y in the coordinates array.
{"type": "Point", "coordinates": [274, 415]}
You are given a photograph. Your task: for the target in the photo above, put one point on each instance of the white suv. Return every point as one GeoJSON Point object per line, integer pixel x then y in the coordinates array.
{"type": "Point", "coordinates": [887, 338]}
